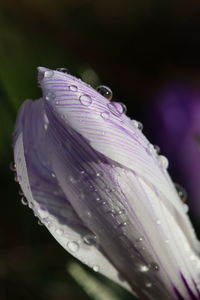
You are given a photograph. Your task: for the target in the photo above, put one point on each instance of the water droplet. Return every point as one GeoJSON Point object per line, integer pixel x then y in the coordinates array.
{"type": "Point", "coordinates": [40, 223]}
{"type": "Point", "coordinates": [144, 268]}
{"type": "Point", "coordinates": [24, 201]}
{"type": "Point", "coordinates": [105, 115]}
{"type": "Point", "coordinates": [63, 70]}
{"type": "Point", "coordinates": [148, 284]}
{"type": "Point", "coordinates": [98, 199]}
{"type": "Point", "coordinates": [99, 174]}
{"type": "Point", "coordinates": [185, 208]}
{"type": "Point", "coordinates": [53, 175]}
{"type": "Point", "coordinates": [157, 149]}
{"type": "Point", "coordinates": [137, 124]}
{"type": "Point", "coordinates": [163, 161]}
{"type": "Point", "coordinates": [166, 241]}
{"type": "Point", "coordinates": [50, 97]}
{"type": "Point", "coordinates": [105, 91]}
{"type": "Point", "coordinates": [117, 108]}
{"type": "Point", "coordinates": [48, 74]}
{"type": "Point", "coordinates": [12, 166]}
{"type": "Point", "coordinates": [90, 239]}
{"type": "Point", "coordinates": [73, 88]}
{"type": "Point", "coordinates": [95, 268]}
{"type": "Point", "coordinates": [181, 192]}
{"type": "Point", "coordinates": [140, 239]}
{"type": "Point", "coordinates": [72, 179]}
{"type": "Point", "coordinates": [73, 246]}
{"type": "Point", "coordinates": [85, 100]}
{"type": "Point", "coordinates": [158, 221]}
{"type": "Point", "coordinates": [45, 126]}
{"type": "Point", "coordinates": [82, 172]}
{"type": "Point", "coordinates": [154, 267]}
{"type": "Point", "coordinates": [59, 231]}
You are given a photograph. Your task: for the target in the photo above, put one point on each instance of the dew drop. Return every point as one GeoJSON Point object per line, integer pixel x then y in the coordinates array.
{"type": "Point", "coordinates": [185, 208]}
{"type": "Point", "coordinates": [117, 108]}
{"type": "Point", "coordinates": [59, 231]}
{"type": "Point", "coordinates": [95, 268]}
{"type": "Point", "coordinates": [144, 268]}
{"type": "Point", "coordinates": [154, 267]}
{"type": "Point", "coordinates": [181, 192]}
{"type": "Point", "coordinates": [50, 97]}
{"type": "Point", "coordinates": [53, 175]}
{"type": "Point", "coordinates": [105, 115]}
{"type": "Point", "coordinates": [167, 241]}
{"type": "Point", "coordinates": [158, 221]}
{"type": "Point", "coordinates": [137, 124]}
{"type": "Point", "coordinates": [40, 223]}
{"type": "Point", "coordinates": [157, 149]}
{"type": "Point", "coordinates": [163, 161]}
{"type": "Point", "coordinates": [48, 74]}
{"type": "Point", "coordinates": [63, 70]}
{"type": "Point", "coordinates": [85, 100]}
{"type": "Point", "coordinates": [99, 174]}
{"type": "Point", "coordinates": [98, 199]}
{"type": "Point", "coordinates": [148, 284]}
{"type": "Point", "coordinates": [24, 201]}
{"type": "Point", "coordinates": [72, 179]}
{"type": "Point", "coordinates": [140, 239]}
{"type": "Point", "coordinates": [73, 88]}
{"type": "Point", "coordinates": [45, 126]}
{"type": "Point", "coordinates": [90, 239]}
{"type": "Point", "coordinates": [105, 91]}
{"type": "Point", "coordinates": [73, 246]}
{"type": "Point", "coordinates": [12, 166]}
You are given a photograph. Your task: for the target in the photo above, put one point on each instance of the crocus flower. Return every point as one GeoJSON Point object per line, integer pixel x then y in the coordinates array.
{"type": "Point", "coordinates": [103, 192]}
{"type": "Point", "coordinates": [174, 124]}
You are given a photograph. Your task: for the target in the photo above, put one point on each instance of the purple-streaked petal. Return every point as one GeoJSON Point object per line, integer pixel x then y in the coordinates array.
{"type": "Point", "coordinates": [44, 195]}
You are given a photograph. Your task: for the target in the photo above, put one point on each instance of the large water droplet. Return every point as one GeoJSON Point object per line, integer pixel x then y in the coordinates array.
{"type": "Point", "coordinates": [48, 74]}
{"type": "Point", "coordinates": [117, 108]}
{"type": "Point", "coordinates": [85, 100]}
{"type": "Point", "coordinates": [73, 246]}
{"type": "Point", "coordinates": [181, 192]}
{"type": "Point", "coordinates": [95, 268]}
{"type": "Point", "coordinates": [105, 91]}
{"type": "Point", "coordinates": [105, 115]}
{"type": "Point", "coordinates": [154, 267]}
{"type": "Point", "coordinates": [50, 97]}
{"type": "Point", "coordinates": [63, 70]}
{"type": "Point", "coordinates": [73, 88]}
{"type": "Point", "coordinates": [90, 239]}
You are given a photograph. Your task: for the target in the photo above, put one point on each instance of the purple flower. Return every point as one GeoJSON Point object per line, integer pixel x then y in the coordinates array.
{"type": "Point", "coordinates": [174, 122]}
{"type": "Point", "coordinates": [103, 192]}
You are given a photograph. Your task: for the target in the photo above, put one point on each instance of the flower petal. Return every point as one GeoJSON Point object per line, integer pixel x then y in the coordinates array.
{"type": "Point", "coordinates": [45, 196]}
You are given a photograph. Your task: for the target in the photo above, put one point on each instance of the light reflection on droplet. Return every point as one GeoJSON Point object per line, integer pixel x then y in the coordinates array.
{"type": "Point", "coordinates": [73, 246]}
{"type": "Point", "coordinates": [85, 100]}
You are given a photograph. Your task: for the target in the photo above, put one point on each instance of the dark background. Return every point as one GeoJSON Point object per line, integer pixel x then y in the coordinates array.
{"type": "Point", "coordinates": [134, 47]}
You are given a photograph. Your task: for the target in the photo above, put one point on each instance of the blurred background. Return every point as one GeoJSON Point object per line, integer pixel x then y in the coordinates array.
{"type": "Point", "coordinates": [148, 53]}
